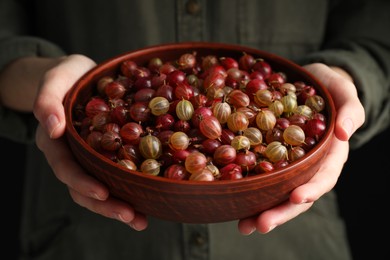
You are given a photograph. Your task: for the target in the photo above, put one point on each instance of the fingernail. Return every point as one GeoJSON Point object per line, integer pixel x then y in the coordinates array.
{"type": "Point", "coordinates": [119, 217]}
{"type": "Point", "coordinates": [251, 231]}
{"type": "Point", "coordinates": [271, 228]}
{"type": "Point", "coordinates": [95, 196]}
{"type": "Point", "coordinates": [52, 123]}
{"type": "Point", "coordinates": [348, 126]}
{"type": "Point", "coordinates": [133, 226]}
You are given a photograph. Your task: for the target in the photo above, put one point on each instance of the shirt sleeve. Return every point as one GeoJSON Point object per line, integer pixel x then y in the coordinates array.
{"type": "Point", "coordinates": [358, 41]}
{"type": "Point", "coordinates": [14, 44]}
{"type": "Point", "coordinates": [15, 125]}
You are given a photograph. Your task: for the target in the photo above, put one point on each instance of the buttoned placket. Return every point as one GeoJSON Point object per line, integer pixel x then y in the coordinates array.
{"type": "Point", "coordinates": [196, 241]}
{"type": "Point", "coordinates": [190, 20]}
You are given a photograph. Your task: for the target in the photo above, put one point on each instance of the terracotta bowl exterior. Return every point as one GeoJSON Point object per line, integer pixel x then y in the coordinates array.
{"type": "Point", "coordinates": [192, 201]}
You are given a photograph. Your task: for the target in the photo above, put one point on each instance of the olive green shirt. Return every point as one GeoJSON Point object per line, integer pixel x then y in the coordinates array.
{"type": "Point", "coordinates": [351, 34]}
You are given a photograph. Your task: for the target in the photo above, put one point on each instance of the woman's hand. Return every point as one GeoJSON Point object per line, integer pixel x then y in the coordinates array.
{"type": "Point", "coordinates": [48, 109]}
{"type": "Point", "coordinates": [350, 116]}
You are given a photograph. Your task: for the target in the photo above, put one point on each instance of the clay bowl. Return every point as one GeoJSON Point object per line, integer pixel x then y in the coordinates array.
{"type": "Point", "coordinates": [196, 201]}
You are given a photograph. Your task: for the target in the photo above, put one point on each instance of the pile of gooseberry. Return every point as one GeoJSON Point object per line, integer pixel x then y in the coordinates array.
{"type": "Point", "coordinates": [201, 118]}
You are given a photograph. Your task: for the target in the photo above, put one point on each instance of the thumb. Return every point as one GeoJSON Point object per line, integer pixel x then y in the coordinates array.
{"type": "Point", "coordinates": [350, 112]}
{"type": "Point", "coordinates": [48, 107]}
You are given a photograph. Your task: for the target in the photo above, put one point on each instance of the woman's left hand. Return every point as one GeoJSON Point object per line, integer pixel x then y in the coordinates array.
{"type": "Point", "coordinates": [350, 116]}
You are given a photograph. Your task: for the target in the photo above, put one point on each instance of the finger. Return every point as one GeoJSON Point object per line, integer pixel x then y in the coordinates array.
{"type": "Point", "coordinates": [247, 226]}
{"type": "Point", "coordinates": [139, 222]}
{"type": "Point", "coordinates": [48, 107]}
{"type": "Point", "coordinates": [270, 219]}
{"type": "Point", "coordinates": [66, 169]}
{"type": "Point", "coordinates": [345, 97]}
{"type": "Point", "coordinates": [326, 177]}
{"type": "Point", "coordinates": [112, 208]}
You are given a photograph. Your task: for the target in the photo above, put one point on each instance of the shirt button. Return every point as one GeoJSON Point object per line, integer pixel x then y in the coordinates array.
{"type": "Point", "coordinates": [193, 7]}
{"type": "Point", "coordinates": [198, 239]}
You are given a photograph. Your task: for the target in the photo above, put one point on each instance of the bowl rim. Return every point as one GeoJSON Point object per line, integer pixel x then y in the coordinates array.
{"type": "Point", "coordinates": [105, 65]}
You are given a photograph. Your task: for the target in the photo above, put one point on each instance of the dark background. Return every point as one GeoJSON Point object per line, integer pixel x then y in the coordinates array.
{"type": "Point", "coordinates": [362, 189]}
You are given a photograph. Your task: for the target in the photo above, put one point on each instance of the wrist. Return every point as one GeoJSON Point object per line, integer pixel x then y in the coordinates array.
{"type": "Point", "coordinates": [20, 79]}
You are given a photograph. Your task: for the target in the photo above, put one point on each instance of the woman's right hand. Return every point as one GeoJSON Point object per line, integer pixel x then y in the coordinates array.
{"type": "Point", "coordinates": [48, 109]}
